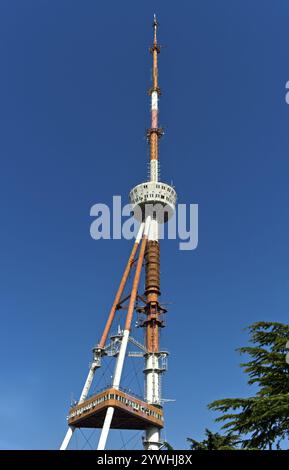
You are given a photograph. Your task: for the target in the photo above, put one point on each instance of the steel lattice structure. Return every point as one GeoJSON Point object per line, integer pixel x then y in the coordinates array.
{"type": "Point", "coordinates": [153, 203]}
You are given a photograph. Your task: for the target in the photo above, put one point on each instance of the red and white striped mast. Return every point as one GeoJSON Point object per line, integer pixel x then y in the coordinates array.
{"type": "Point", "coordinates": [153, 203]}
{"type": "Point", "coordinates": [152, 263]}
{"type": "Point", "coordinates": [162, 198]}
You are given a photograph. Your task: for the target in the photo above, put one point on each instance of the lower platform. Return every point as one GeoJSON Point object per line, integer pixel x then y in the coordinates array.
{"type": "Point", "coordinates": [129, 412]}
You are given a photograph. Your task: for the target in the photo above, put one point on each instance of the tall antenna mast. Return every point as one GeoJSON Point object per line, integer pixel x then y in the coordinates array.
{"type": "Point", "coordinates": [154, 132]}
{"type": "Point", "coordinates": [153, 203]}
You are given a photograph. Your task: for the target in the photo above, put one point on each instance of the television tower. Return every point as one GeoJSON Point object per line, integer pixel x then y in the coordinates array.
{"type": "Point", "coordinates": [153, 203]}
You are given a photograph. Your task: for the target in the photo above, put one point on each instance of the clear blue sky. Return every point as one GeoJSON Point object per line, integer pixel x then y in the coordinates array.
{"type": "Point", "coordinates": [73, 113]}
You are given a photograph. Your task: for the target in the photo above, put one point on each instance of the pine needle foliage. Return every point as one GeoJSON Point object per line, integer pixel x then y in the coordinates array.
{"type": "Point", "coordinates": [261, 421]}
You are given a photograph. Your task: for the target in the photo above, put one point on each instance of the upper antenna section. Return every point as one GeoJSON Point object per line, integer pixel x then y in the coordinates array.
{"type": "Point", "coordinates": [155, 26]}
{"type": "Point", "coordinates": [155, 46]}
{"type": "Point", "coordinates": [155, 49]}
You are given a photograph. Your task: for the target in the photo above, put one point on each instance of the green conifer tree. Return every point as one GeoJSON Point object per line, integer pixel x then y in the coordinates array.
{"type": "Point", "coordinates": [261, 421]}
{"type": "Point", "coordinates": [214, 441]}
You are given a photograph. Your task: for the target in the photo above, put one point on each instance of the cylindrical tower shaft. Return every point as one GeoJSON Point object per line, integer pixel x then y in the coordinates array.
{"type": "Point", "coordinates": [152, 263]}
{"type": "Point", "coordinates": [152, 291]}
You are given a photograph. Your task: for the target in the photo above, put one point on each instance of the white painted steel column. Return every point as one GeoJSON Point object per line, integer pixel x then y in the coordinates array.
{"type": "Point", "coordinates": [154, 101]}
{"type": "Point", "coordinates": [67, 438]}
{"type": "Point", "coordinates": [152, 379]}
{"type": "Point", "coordinates": [83, 396]}
{"type": "Point", "coordinates": [115, 384]}
{"type": "Point", "coordinates": [87, 385]}
{"type": "Point", "coordinates": [153, 438]}
{"type": "Point", "coordinates": [152, 391]}
{"type": "Point", "coordinates": [154, 231]}
{"type": "Point", "coordinates": [118, 372]}
{"type": "Point", "coordinates": [154, 170]}
{"type": "Point", "coordinates": [154, 164]}
{"type": "Point", "coordinates": [140, 232]}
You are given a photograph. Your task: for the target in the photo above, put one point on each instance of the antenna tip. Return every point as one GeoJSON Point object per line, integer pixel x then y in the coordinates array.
{"type": "Point", "coordinates": [155, 23]}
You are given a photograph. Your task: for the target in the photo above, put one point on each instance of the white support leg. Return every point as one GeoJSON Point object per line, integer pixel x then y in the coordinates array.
{"type": "Point", "coordinates": [67, 438]}
{"type": "Point", "coordinates": [87, 385]}
{"type": "Point", "coordinates": [115, 384]}
{"type": "Point", "coordinates": [105, 428]}
{"type": "Point", "coordinates": [83, 396]}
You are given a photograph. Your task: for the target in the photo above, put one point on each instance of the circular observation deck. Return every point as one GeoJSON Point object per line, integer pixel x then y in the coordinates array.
{"type": "Point", "coordinates": [153, 198]}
